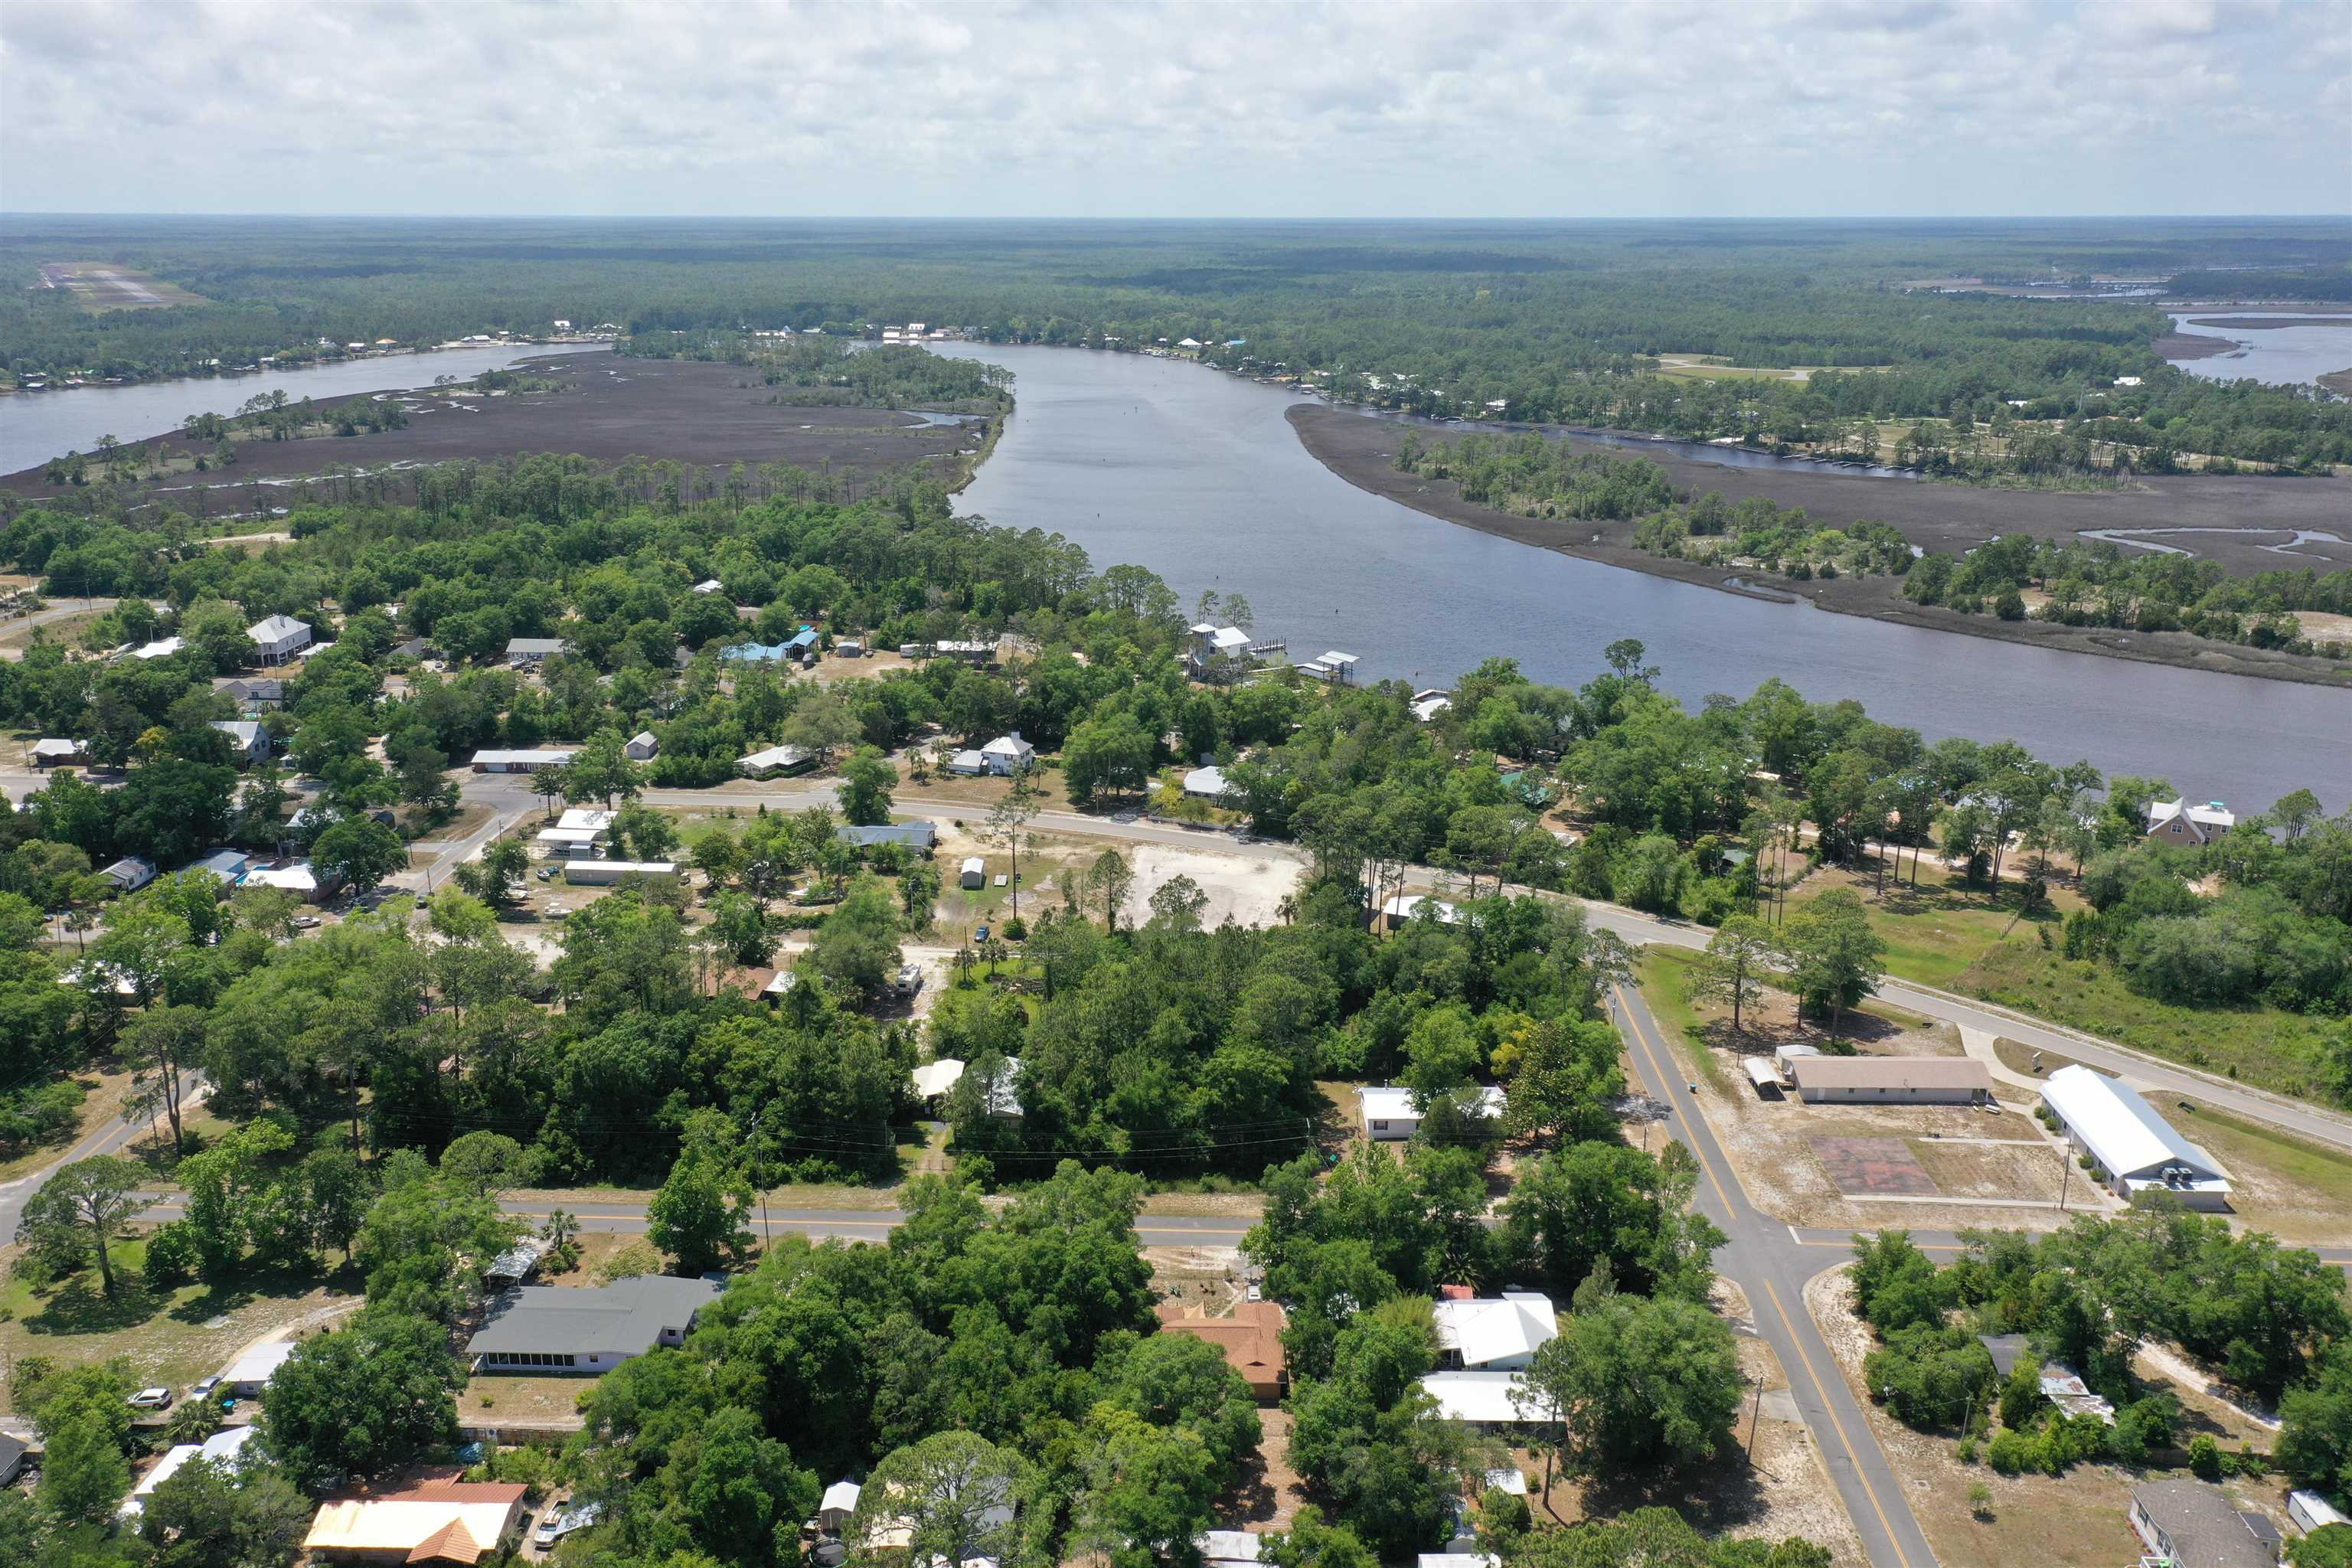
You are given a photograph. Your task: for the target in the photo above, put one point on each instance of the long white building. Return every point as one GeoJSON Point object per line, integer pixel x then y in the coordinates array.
{"type": "Point", "coordinates": [2133, 1151]}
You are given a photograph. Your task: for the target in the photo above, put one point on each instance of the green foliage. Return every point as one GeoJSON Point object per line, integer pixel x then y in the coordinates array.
{"type": "Point", "coordinates": [374, 1395]}
{"type": "Point", "coordinates": [1638, 1385]}
{"type": "Point", "coordinates": [1930, 1377]}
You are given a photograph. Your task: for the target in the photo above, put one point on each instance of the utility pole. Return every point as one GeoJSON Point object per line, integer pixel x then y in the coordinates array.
{"type": "Point", "coordinates": [767, 1230]}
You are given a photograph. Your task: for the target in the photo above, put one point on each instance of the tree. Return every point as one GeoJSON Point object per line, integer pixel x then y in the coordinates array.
{"type": "Point", "coordinates": [1008, 821]}
{"type": "Point", "coordinates": [698, 1215]}
{"type": "Point", "coordinates": [1177, 905]}
{"type": "Point", "coordinates": [866, 781]}
{"type": "Point", "coordinates": [1835, 955]}
{"type": "Point", "coordinates": [603, 770]}
{"type": "Point", "coordinates": [1109, 880]}
{"type": "Point", "coordinates": [1309, 1542]}
{"type": "Point", "coordinates": [358, 851]}
{"type": "Point", "coordinates": [1737, 957]}
{"type": "Point", "coordinates": [858, 946]}
{"type": "Point", "coordinates": [741, 927]}
{"type": "Point", "coordinates": [497, 877]}
{"type": "Point", "coordinates": [2315, 1441]}
{"type": "Point", "coordinates": [83, 1473]}
{"type": "Point", "coordinates": [206, 1517]}
{"type": "Point", "coordinates": [956, 1495]}
{"type": "Point", "coordinates": [2329, 1546]}
{"type": "Point", "coordinates": [163, 1046]}
{"type": "Point", "coordinates": [1640, 1384]}
{"type": "Point", "coordinates": [918, 894]}
{"type": "Point", "coordinates": [371, 1396]}
{"type": "Point", "coordinates": [79, 1212]}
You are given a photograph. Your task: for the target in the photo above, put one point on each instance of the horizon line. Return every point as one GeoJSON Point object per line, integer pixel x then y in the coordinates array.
{"type": "Point", "coordinates": [2345, 218]}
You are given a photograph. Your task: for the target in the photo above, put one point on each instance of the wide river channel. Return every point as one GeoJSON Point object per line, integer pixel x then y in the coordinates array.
{"type": "Point", "coordinates": [1197, 476]}
{"type": "Point", "coordinates": [38, 425]}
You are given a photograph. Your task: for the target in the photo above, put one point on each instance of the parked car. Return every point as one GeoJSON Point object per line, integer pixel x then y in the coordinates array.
{"type": "Point", "coordinates": [306, 922]}
{"type": "Point", "coordinates": [547, 873]}
{"type": "Point", "coordinates": [561, 1522]}
{"type": "Point", "coordinates": [205, 1387]}
{"type": "Point", "coordinates": [979, 934]}
{"type": "Point", "coordinates": [152, 1399]}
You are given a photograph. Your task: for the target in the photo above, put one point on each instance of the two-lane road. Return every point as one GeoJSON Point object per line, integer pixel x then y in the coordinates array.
{"type": "Point", "coordinates": [1771, 1263]}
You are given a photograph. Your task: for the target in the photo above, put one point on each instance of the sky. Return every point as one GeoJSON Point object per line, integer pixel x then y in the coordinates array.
{"type": "Point", "coordinates": [1766, 109]}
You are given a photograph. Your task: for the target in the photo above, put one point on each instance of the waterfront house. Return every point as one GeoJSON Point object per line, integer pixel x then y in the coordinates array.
{"type": "Point", "coordinates": [2186, 827]}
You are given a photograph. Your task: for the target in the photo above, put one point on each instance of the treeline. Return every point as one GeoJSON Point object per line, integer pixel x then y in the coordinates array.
{"type": "Point", "coordinates": [831, 371]}
{"type": "Point", "coordinates": [1538, 476]}
{"type": "Point", "coordinates": [2101, 585]}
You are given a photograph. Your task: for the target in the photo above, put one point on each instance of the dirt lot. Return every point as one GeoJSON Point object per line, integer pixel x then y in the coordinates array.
{"type": "Point", "coordinates": [1243, 887]}
{"type": "Point", "coordinates": [603, 407]}
{"type": "Point", "coordinates": [1952, 519]}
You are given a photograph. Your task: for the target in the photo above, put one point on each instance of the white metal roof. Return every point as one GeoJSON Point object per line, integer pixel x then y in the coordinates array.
{"type": "Point", "coordinates": [1011, 745]}
{"type": "Point", "coordinates": [277, 629]}
{"type": "Point", "coordinates": [258, 1363]}
{"type": "Point", "coordinates": [1205, 781]}
{"type": "Point", "coordinates": [842, 1495]}
{"type": "Point", "coordinates": [534, 755]}
{"type": "Point", "coordinates": [1483, 1397]}
{"type": "Point", "coordinates": [2121, 1129]}
{"type": "Point", "coordinates": [937, 1078]}
{"type": "Point", "coordinates": [1227, 1547]}
{"type": "Point", "coordinates": [581, 819]}
{"type": "Point", "coordinates": [1497, 1328]}
{"type": "Point", "coordinates": [1394, 1103]}
{"type": "Point", "coordinates": [1513, 1481]}
{"type": "Point", "coordinates": [1404, 906]}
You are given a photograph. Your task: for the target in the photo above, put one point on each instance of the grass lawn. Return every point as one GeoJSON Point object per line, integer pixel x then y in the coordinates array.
{"type": "Point", "coordinates": [1934, 933]}
{"type": "Point", "coordinates": [168, 1337]}
{"type": "Point", "coordinates": [1665, 974]}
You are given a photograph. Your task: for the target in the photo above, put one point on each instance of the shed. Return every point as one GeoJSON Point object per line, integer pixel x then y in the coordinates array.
{"type": "Point", "coordinates": [2311, 1511]}
{"type": "Point", "coordinates": [2132, 1150]}
{"type": "Point", "coordinates": [1229, 1548]}
{"type": "Point", "coordinates": [840, 1501]}
{"type": "Point", "coordinates": [643, 746]}
{"type": "Point", "coordinates": [130, 874]}
{"type": "Point", "coordinates": [12, 1458]}
{"type": "Point", "coordinates": [974, 872]}
{"type": "Point", "coordinates": [251, 1372]}
{"type": "Point", "coordinates": [1897, 1081]}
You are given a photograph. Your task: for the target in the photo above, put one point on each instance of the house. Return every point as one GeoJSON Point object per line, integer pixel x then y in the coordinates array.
{"type": "Point", "coordinates": [2194, 1524]}
{"type": "Point", "coordinates": [935, 1079]}
{"type": "Point", "coordinates": [440, 1522]}
{"type": "Point", "coordinates": [919, 835]}
{"type": "Point", "coordinates": [1205, 783]}
{"type": "Point", "coordinates": [1211, 642]}
{"type": "Point", "coordinates": [779, 985]}
{"type": "Point", "coordinates": [2127, 381]}
{"type": "Point", "coordinates": [1007, 755]}
{"type": "Point", "coordinates": [575, 832]}
{"type": "Point", "coordinates": [524, 760]}
{"type": "Point", "coordinates": [839, 1502]}
{"type": "Point", "coordinates": [849, 647]}
{"type": "Point", "coordinates": [973, 872]}
{"type": "Point", "coordinates": [260, 692]}
{"type": "Point", "coordinates": [1401, 908]}
{"type": "Point", "coordinates": [587, 1330]}
{"type": "Point", "coordinates": [130, 874]}
{"type": "Point", "coordinates": [641, 747]}
{"type": "Point", "coordinates": [2185, 825]}
{"type": "Point", "coordinates": [1250, 1341]}
{"type": "Point", "coordinates": [1428, 705]}
{"type": "Point", "coordinates": [530, 653]}
{"type": "Point", "coordinates": [162, 648]}
{"type": "Point", "coordinates": [1003, 1097]}
{"type": "Point", "coordinates": [294, 876]}
{"type": "Point", "coordinates": [581, 873]}
{"type": "Point", "coordinates": [12, 1458]}
{"type": "Point", "coordinates": [1458, 1559]}
{"type": "Point", "coordinates": [53, 752]}
{"type": "Point", "coordinates": [1784, 1056]}
{"type": "Point", "coordinates": [889, 1533]}
{"type": "Point", "coordinates": [1388, 1112]}
{"type": "Point", "coordinates": [798, 645]}
{"type": "Point", "coordinates": [1890, 1080]}
{"type": "Point", "coordinates": [708, 585]}
{"type": "Point", "coordinates": [250, 1372]}
{"type": "Point", "coordinates": [228, 865]}
{"type": "Point", "coordinates": [561, 325]}
{"type": "Point", "coordinates": [224, 1448]}
{"type": "Point", "coordinates": [1229, 1548]}
{"type": "Point", "coordinates": [249, 739]}
{"type": "Point", "coordinates": [2133, 1151]}
{"type": "Point", "coordinates": [1485, 1400]}
{"type": "Point", "coordinates": [279, 639]}
{"type": "Point", "coordinates": [777, 762]}
{"type": "Point", "coordinates": [968, 763]}
{"type": "Point", "coordinates": [1499, 1335]}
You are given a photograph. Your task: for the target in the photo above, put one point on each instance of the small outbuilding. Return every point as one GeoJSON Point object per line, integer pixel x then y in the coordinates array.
{"type": "Point", "coordinates": [130, 874]}
{"type": "Point", "coordinates": [974, 872]}
{"type": "Point", "coordinates": [641, 747]}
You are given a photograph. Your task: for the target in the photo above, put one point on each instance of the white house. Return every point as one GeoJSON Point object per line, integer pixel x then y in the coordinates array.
{"type": "Point", "coordinates": [1229, 1548]}
{"type": "Point", "coordinates": [528, 760]}
{"type": "Point", "coordinates": [575, 832]}
{"type": "Point", "coordinates": [246, 735]}
{"type": "Point", "coordinates": [223, 1449]}
{"type": "Point", "coordinates": [935, 1079]}
{"type": "Point", "coordinates": [1008, 754]}
{"type": "Point", "coordinates": [295, 876]}
{"type": "Point", "coordinates": [279, 639]}
{"type": "Point", "coordinates": [1428, 705]}
{"type": "Point", "coordinates": [2179, 823]}
{"type": "Point", "coordinates": [1401, 908]}
{"type": "Point", "coordinates": [839, 1502]}
{"type": "Point", "coordinates": [51, 751]}
{"type": "Point", "coordinates": [1482, 1399]}
{"type": "Point", "coordinates": [1208, 784]}
{"type": "Point", "coordinates": [2133, 1151]}
{"type": "Point", "coordinates": [776, 760]}
{"type": "Point", "coordinates": [641, 747]}
{"type": "Point", "coordinates": [1389, 1113]}
{"type": "Point", "coordinates": [1496, 1335]}
{"type": "Point", "coordinates": [249, 1373]}
{"type": "Point", "coordinates": [130, 874]}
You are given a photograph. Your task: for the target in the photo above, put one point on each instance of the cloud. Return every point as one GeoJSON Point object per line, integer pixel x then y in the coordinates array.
{"type": "Point", "coordinates": [1454, 109]}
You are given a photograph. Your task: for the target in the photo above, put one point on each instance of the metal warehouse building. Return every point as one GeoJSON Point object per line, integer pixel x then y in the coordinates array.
{"type": "Point", "coordinates": [1891, 1081]}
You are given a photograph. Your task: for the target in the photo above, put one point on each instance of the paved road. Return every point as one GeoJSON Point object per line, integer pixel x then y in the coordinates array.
{"type": "Point", "coordinates": [56, 611]}
{"type": "Point", "coordinates": [111, 1138]}
{"type": "Point", "coordinates": [1771, 1263]}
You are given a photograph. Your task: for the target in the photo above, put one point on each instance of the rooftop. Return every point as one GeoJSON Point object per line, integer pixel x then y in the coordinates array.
{"type": "Point", "coordinates": [2122, 1130]}
{"type": "Point", "coordinates": [450, 1522]}
{"type": "Point", "coordinates": [2204, 1527]}
{"type": "Point", "coordinates": [1250, 1341]}
{"type": "Point", "coordinates": [1890, 1072]}
{"type": "Point", "coordinates": [1499, 1329]}
{"type": "Point", "coordinates": [624, 1317]}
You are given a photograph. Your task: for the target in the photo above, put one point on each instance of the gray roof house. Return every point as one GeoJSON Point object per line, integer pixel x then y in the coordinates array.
{"type": "Point", "coordinates": [531, 650]}
{"type": "Point", "coordinates": [913, 835]}
{"type": "Point", "coordinates": [2196, 1525]}
{"type": "Point", "coordinates": [251, 740]}
{"type": "Point", "coordinates": [560, 1329]}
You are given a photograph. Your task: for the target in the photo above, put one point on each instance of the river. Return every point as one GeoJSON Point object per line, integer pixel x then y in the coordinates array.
{"type": "Point", "coordinates": [2296, 354]}
{"type": "Point", "coordinates": [38, 425]}
{"type": "Point", "coordinates": [1197, 476]}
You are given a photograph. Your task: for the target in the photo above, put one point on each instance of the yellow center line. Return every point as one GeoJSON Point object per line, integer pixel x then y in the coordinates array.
{"type": "Point", "coordinates": [1821, 1393]}
{"type": "Point", "coordinates": [1689, 1137]}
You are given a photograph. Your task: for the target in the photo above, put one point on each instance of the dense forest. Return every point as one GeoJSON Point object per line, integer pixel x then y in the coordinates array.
{"type": "Point", "coordinates": [1554, 322]}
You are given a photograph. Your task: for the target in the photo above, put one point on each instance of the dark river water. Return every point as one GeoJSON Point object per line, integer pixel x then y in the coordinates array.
{"type": "Point", "coordinates": [1197, 476]}
{"type": "Point", "coordinates": [38, 425]}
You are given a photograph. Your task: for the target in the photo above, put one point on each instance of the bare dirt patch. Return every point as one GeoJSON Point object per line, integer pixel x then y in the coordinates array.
{"type": "Point", "coordinates": [1874, 1167]}
{"type": "Point", "coordinates": [1244, 888]}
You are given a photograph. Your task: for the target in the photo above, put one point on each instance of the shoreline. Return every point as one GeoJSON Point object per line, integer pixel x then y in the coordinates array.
{"type": "Point", "coordinates": [1346, 443]}
{"type": "Point", "coordinates": [12, 389]}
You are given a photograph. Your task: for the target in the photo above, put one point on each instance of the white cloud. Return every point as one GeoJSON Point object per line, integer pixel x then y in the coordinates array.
{"type": "Point", "coordinates": [1097, 109]}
